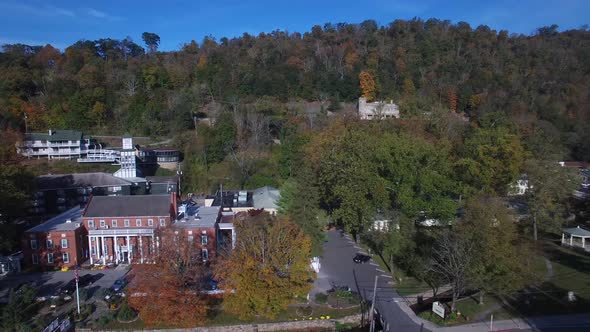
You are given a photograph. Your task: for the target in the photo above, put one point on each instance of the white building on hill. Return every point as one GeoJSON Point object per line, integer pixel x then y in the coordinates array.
{"type": "Point", "coordinates": [377, 110]}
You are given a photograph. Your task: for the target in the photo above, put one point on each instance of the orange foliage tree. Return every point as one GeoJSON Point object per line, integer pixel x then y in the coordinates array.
{"type": "Point", "coordinates": [268, 268]}
{"type": "Point", "coordinates": [452, 99]}
{"type": "Point", "coordinates": [168, 292]}
{"type": "Point", "coordinates": [368, 85]}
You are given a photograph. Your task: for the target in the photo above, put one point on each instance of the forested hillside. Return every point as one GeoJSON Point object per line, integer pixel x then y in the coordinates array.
{"type": "Point", "coordinates": [539, 83]}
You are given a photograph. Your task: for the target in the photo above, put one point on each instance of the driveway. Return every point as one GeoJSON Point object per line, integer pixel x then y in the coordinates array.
{"type": "Point", "coordinates": [339, 269]}
{"type": "Point", "coordinates": [50, 281]}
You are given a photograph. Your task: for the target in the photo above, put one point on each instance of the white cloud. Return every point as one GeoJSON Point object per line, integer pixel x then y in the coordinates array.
{"type": "Point", "coordinates": [36, 10]}
{"type": "Point", "coordinates": [96, 13]}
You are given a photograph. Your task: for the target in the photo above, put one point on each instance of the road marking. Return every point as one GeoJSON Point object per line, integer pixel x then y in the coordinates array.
{"type": "Point", "coordinates": [386, 276]}
{"type": "Point", "coordinates": [374, 264]}
{"type": "Point", "coordinates": [380, 270]}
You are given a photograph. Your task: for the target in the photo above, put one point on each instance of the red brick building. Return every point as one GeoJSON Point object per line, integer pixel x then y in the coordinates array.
{"type": "Point", "coordinates": [124, 229]}
{"type": "Point", "coordinates": [58, 242]}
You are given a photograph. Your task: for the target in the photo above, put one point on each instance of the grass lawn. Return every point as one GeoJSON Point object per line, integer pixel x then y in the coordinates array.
{"type": "Point", "coordinates": [469, 308]}
{"type": "Point", "coordinates": [292, 313]}
{"type": "Point", "coordinates": [409, 285]}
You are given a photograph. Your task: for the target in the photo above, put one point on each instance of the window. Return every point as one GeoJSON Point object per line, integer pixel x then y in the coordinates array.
{"type": "Point", "coordinates": [150, 222]}
{"type": "Point", "coordinates": [204, 240]}
{"type": "Point", "coordinates": [162, 222]}
{"type": "Point", "coordinates": [50, 258]}
{"type": "Point", "coordinates": [114, 222]}
{"type": "Point", "coordinates": [102, 223]}
{"type": "Point", "coordinates": [33, 244]}
{"type": "Point", "coordinates": [191, 238]}
{"type": "Point", "coordinates": [64, 243]}
{"type": "Point", "coordinates": [126, 221]}
{"type": "Point", "coordinates": [205, 254]}
{"type": "Point", "coordinates": [35, 258]}
{"type": "Point", "coordinates": [90, 223]}
{"type": "Point", "coordinates": [66, 257]}
{"type": "Point", "coordinates": [138, 222]}
{"type": "Point", "coordinates": [49, 244]}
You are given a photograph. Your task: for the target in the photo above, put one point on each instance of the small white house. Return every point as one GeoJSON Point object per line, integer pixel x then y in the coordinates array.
{"type": "Point", "coordinates": [519, 187]}
{"type": "Point", "coordinates": [377, 110]}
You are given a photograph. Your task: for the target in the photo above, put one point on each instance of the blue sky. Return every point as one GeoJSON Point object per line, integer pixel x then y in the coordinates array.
{"type": "Point", "coordinates": [62, 23]}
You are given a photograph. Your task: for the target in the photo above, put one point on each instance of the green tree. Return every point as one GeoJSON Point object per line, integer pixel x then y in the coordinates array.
{"type": "Point", "coordinates": [498, 265]}
{"type": "Point", "coordinates": [151, 40]}
{"type": "Point", "coordinates": [549, 185]}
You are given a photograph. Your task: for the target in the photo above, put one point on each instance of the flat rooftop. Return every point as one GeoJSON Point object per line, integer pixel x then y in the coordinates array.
{"type": "Point", "coordinates": [199, 216]}
{"type": "Point", "coordinates": [129, 206]}
{"type": "Point", "coordinates": [67, 221]}
{"type": "Point", "coordinates": [79, 180]}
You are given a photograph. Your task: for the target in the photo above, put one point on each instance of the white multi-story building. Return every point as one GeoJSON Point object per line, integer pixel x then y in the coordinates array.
{"type": "Point", "coordinates": [56, 144]}
{"type": "Point", "coordinates": [377, 110]}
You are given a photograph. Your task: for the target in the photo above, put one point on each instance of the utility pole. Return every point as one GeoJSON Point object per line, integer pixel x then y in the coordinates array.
{"type": "Point", "coordinates": [76, 275]}
{"type": "Point", "coordinates": [371, 313]}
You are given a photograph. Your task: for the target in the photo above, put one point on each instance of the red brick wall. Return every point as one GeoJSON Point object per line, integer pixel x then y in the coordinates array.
{"type": "Point", "coordinates": [211, 239]}
{"type": "Point", "coordinates": [77, 244]}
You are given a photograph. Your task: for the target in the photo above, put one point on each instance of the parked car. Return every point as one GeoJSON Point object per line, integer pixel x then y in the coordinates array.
{"type": "Point", "coordinates": [339, 288]}
{"type": "Point", "coordinates": [361, 258]}
{"type": "Point", "coordinates": [119, 285]}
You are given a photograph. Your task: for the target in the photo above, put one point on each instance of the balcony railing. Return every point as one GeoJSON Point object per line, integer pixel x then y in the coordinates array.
{"type": "Point", "coordinates": [121, 232]}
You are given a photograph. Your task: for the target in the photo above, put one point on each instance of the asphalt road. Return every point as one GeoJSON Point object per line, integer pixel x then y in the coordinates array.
{"type": "Point", "coordinates": [338, 268]}
{"type": "Point", "coordinates": [48, 282]}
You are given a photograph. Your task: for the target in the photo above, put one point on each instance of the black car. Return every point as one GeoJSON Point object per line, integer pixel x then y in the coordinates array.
{"type": "Point", "coordinates": [119, 285]}
{"type": "Point", "coordinates": [360, 258]}
{"type": "Point", "coordinates": [336, 288]}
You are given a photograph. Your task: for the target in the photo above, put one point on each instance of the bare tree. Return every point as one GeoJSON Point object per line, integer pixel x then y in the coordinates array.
{"type": "Point", "coordinates": [451, 259]}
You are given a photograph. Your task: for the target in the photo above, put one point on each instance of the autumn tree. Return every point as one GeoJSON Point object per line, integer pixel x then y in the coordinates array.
{"type": "Point", "coordinates": [268, 268]}
{"type": "Point", "coordinates": [368, 85]}
{"type": "Point", "coordinates": [168, 292]}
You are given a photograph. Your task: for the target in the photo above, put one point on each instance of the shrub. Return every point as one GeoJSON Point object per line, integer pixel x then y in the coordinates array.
{"type": "Point", "coordinates": [321, 298]}
{"type": "Point", "coordinates": [126, 313]}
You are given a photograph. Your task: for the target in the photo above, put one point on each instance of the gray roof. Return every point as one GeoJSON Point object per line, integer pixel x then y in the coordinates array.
{"type": "Point", "coordinates": [205, 216]}
{"type": "Point", "coordinates": [57, 135]}
{"type": "Point", "coordinates": [79, 180]}
{"type": "Point", "coordinates": [60, 222]}
{"type": "Point", "coordinates": [266, 197]}
{"type": "Point", "coordinates": [129, 206]}
{"type": "Point", "coordinates": [577, 231]}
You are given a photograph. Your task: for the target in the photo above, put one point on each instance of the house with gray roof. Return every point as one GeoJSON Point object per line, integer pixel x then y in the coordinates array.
{"type": "Point", "coordinates": [377, 110]}
{"type": "Point", "coordinates": [55, 144]}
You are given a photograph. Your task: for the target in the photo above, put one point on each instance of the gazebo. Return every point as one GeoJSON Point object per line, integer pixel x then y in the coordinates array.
{"type": "Point", "coordinates": [577, 237]}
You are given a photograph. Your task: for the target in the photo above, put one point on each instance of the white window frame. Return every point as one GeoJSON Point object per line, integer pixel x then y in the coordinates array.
{"type": "Point", "coordinates": [205, 254]}
{"type": "Point", "coordinates": [66, 257]}
{"type": "Point", "coordinates": [150, 222]}
{"type": "Point", "coordinates": [102, 223]}
{"type": "Point", "coordinates": [49, 258]}
{"type": "Point", "coordinates": [66, 243]}
{"type": "Point", "coordinates": [114, 223]}
{"type": "Point", "coordinates": [162, 222]}
{"type": "Point", "coordinates": [137, 222]}
{"type": "Point", "coordinates": [204, 239]}
{"type": "Point", "coordinates": [90, 223]}
{"type": "Point", "coordinates": [35, 259]}
{"type": "Point", "coordinates": [34, 245]}
{"type": "Point", "coordinates": [190, 238]}
{"type": "Point", "coordinates": [49, 243]}
{"type": "Point", "coordinates": [126, 223]}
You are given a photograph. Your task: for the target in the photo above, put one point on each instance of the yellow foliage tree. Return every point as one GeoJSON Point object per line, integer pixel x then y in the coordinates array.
{"type": "Point", "coordinates": [368, 85]}
{"type": "Point", "coordinates": [268, 268]}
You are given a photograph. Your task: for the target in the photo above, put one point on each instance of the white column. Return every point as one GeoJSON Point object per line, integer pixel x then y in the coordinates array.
{"type": "Point", "coordinates": [129, 251]}
{"type": "Point", "coordinates": [90, 248]}
{"type": "Point", "coordinates": [584, 243]}
{"type": "Point", "coordinates": [98, 250]}
{"type": "Point", "coordinates": [153, 248]}
{"type": "Point", "coordinates": [141, 249]}
{"type": "Point", "coordinates": [104, 256]}
{"type": "Point", "coordinates": [233, 238]}
{"type": "Point", "coordinates": [562, 238]}
{"type": "Point", "coordinates": [116, 249]}
{"type": "Point", "coordinates": [571, 240]}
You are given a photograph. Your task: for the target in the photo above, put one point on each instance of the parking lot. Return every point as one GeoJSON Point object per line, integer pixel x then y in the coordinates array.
{"type": "Point", "coordinates": [49, 282]}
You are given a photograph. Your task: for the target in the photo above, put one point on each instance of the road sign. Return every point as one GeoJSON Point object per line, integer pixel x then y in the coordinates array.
{"type": "Point", "coordinates": [438, 309]}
